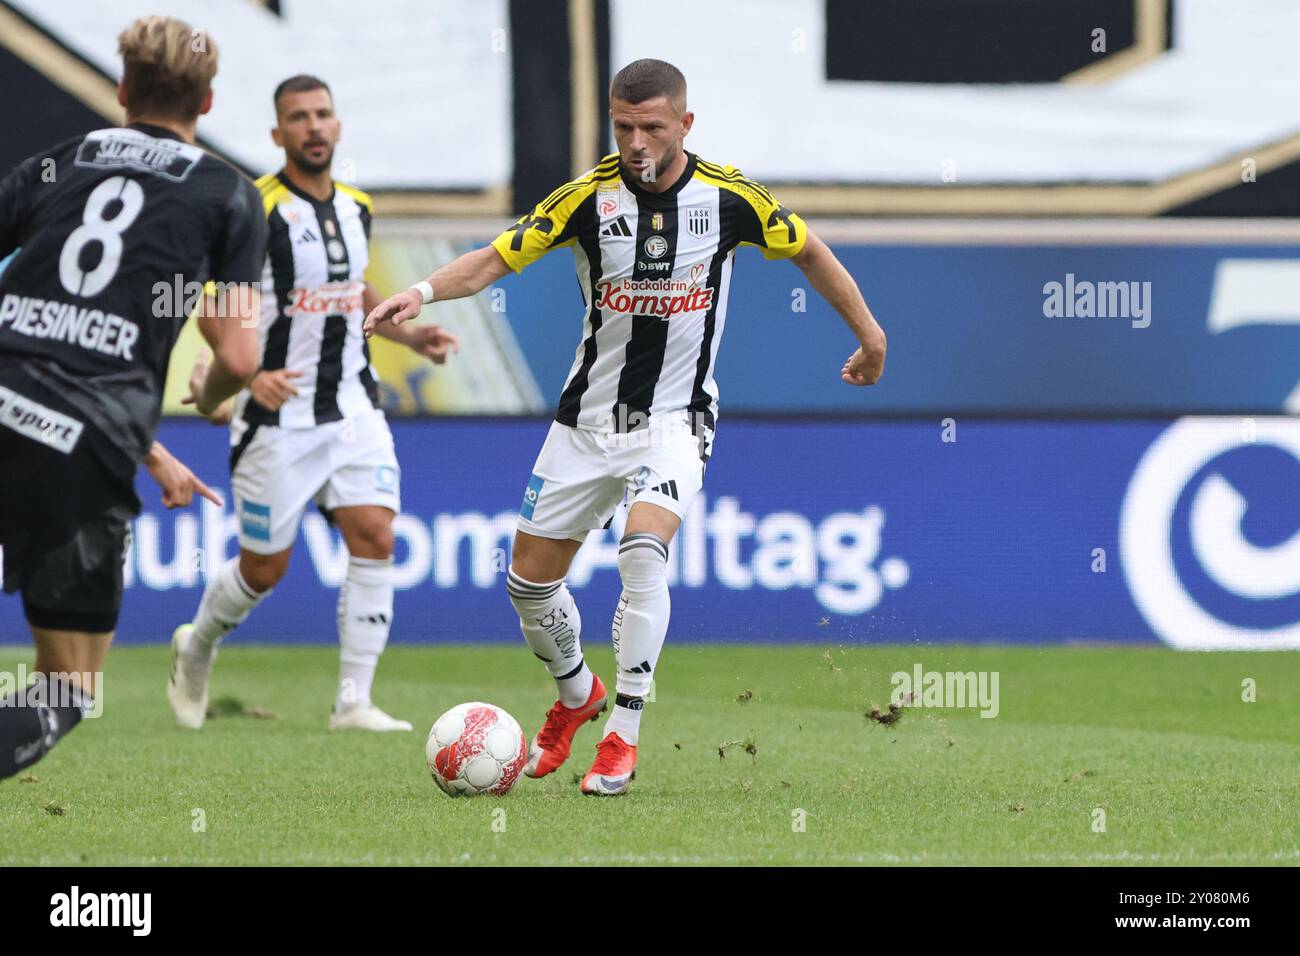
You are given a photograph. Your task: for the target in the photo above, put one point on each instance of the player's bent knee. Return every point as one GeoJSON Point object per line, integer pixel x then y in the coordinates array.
{"type": "Point", "coordinates": [643, 561]}
{"type": "Point", "coordinates": [646, 516]}
{"type": "Point", "coordinates": [382, 542]}
{"type": "Point", "coordinates": [539, 559]}
{"type": "Point", "coordinates": [367, 531]}
{"type": "Point", "coordinates": [261, 572]}
{"type": "Point", "coordinates": [376, 543]}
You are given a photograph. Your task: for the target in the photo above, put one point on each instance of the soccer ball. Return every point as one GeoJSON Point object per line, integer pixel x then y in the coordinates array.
{"type": "Point", "coordinates": [475, 748]}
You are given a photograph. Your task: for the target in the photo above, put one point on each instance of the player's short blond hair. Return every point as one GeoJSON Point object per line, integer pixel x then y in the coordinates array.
{"type": "Point", "coordinates": [167, 67]}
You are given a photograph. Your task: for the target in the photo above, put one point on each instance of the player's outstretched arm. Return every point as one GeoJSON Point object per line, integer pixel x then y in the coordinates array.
{"type": "Point", "coordinates": [229, 324]}
{"type": "Point", "coordinates": [834, 284]}
{"type": "Point", "coordinates": [428, 341]}
{"type": "Point", "coordinates": [465, 275]}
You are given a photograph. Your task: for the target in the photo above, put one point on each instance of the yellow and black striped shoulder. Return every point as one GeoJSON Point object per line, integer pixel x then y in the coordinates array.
{"type": "Point", "coordinates": [604, 171]}
{"type": "Point", "coordinates": [273, 192]}
{"type": "Point", "coordinates": [729, 176]}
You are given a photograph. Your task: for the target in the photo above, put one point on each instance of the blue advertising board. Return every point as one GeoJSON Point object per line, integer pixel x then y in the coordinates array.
{"type": "Point", "coordinates": [1186, 531]}
{"type": "Point", "coordinates": [1166, 329]}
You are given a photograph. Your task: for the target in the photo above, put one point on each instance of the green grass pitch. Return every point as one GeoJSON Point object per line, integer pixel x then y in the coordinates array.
{"type": "Point", "coordinates": [1185, 771]}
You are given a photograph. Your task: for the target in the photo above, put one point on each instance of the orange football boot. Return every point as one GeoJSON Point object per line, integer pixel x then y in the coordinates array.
{"type": "Point", "coordinates": [550, 748]}
{"type": "Point", "coordinates": [614, 768]}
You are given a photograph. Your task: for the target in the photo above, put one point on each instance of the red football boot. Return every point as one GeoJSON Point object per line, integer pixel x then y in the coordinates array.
{"type": "Point", "coordinates": [550, 748]}
{"type": "Point", "coordinates": [614, 768]}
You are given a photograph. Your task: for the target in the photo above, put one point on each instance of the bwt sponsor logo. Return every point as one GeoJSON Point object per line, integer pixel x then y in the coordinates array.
{"type": "Point", "coordinates": [838, 557]}
{"type": "Point", "coordinates": [1082, 299]}
{"type": "Point", "coordinates": [76, 908]}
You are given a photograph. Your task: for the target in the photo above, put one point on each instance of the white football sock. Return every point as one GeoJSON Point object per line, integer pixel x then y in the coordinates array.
{"type": "Point", "coordinates": [640, 626]}
{"type": "Point", "coordinates": [227, 601]}
{"type": "Point", "coordinates": [365, 611]}
{"type": "Point", "coordinates": [552, 627]}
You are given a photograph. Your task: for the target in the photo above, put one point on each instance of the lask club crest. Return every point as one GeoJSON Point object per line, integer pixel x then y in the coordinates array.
{"type": "Point", "coordinates": [697, 222]}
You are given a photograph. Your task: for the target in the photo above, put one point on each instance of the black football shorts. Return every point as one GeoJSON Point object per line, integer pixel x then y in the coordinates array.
{"type": "Point", "coordinates": [63, 526]}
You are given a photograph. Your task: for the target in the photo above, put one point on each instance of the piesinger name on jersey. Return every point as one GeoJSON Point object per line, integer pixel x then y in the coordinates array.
{"type": "Point", "coordinates": [630, 297]}
{"type": "Point", "coordinates": [92, 329]}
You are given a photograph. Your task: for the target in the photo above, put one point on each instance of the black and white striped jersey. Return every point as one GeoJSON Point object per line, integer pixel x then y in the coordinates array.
{"type": "Point", "coordinates": [312, 286]}
{"type": "Point", "coordinates": [654, 270]}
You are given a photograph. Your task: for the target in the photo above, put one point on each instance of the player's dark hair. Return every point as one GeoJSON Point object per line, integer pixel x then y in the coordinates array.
{"type": "Point", "coordinates": [643, 80]}
{"type": "Point", "coordinates": [167, 67]}
{"type": "Point", "coordinates": [301, 83]}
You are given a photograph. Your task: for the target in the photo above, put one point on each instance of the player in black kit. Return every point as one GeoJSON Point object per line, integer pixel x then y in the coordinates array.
{"type": "Point", "coordinates": [107, 226]}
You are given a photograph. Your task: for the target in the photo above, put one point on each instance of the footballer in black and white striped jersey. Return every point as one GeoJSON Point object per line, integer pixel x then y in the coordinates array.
{"type": "Point", "coordinates": [309, 427]}
{"type": "Point", "coordinates": [654, 229]}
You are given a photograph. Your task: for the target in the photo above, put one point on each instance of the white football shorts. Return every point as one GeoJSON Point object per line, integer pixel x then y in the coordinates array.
{"type": "Point", "coordinates": [582, 476]}
{"type": "Point", "coordinates": [277, 471]}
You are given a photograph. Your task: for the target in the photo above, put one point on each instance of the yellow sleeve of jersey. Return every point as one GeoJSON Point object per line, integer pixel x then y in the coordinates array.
{"type": "Point", "coordinates": [551, 224]}
{"type": "Point", "coordinates": [781, 233]}
{"type": "Point", "coordinates": [272, 190]}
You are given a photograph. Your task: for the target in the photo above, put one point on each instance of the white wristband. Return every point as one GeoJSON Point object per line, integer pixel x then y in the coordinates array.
{"type": "Point", "coordinates": [425, 290]}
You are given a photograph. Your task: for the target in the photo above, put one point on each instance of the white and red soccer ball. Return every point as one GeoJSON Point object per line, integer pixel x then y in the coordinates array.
{"type": "Point", "coordinates": [475, 748]}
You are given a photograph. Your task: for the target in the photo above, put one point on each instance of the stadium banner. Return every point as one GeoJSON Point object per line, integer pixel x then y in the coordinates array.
{"type": "Point", "coordinates": [1165, 328]}
{"type": "Point", "coordinates": [990, 328]}
{"type": "Point", "coordinates": [905, 531]}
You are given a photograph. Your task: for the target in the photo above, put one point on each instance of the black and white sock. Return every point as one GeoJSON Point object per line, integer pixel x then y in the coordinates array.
{"type": "Point", "coordinates": [365, 613]}
{"type": "Point", "coordinates": [35, 718]}
{"type": "Point", "coordinates": [552, 627]}
{"type": "Point", "coordinates": [640, 626]}
{"type": "Point", "coordinates": [227, 601]}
